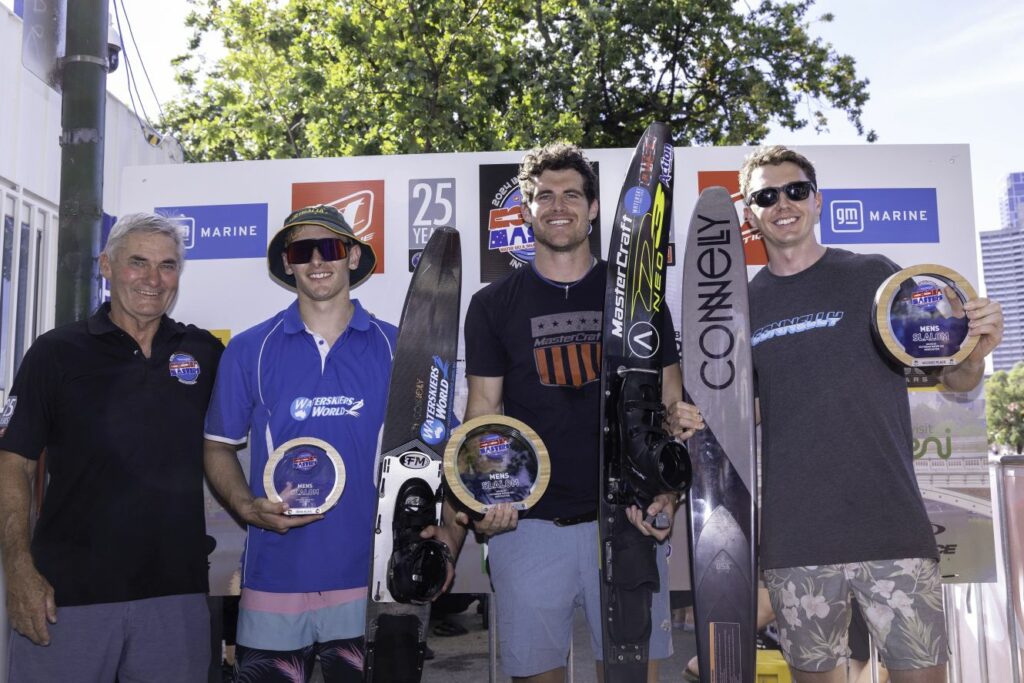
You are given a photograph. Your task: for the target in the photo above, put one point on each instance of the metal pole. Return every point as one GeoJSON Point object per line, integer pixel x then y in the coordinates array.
{"type": "Point", "coordinates": [955, 667]}
{"type": "Point", "coordinates": [83, 114]}
{"type": "Point", "coordinates": [492, 637]}
{"type": "Point", "coordinates": [1004, 534]}
{"type": "Point", "coordinates": [977, 589]}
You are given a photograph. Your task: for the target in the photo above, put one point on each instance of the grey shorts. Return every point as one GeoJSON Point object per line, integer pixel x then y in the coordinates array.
{"type": "Point", "coordinates": [541, 573]}
{"type": "Point", "coordinates": [901, 601]}
{"type": "Point", "coordinates": [157, 640]}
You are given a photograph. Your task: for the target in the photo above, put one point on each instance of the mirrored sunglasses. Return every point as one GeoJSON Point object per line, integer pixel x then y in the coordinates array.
{"type": "Point", "coordinates": [330, 248]}
{"type": "Point", "coordinates": [797, 191]}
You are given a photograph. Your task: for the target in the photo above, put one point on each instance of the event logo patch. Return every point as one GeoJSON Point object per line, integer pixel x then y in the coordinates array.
{"type": "Point", "coordinates": [753, 244]}
{"type": "Point", "coordinates": [184, 368]}
{"type": "Point", "coordinates": [506, 240]}
{"type": "Point", "coordinates": [360, 201]}
{"type": "Point", "coordinates": [221, 231]}
{"type": "Point", "coordinates": [879, 216]}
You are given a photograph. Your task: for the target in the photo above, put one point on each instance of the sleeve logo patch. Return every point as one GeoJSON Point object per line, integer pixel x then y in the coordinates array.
{"type": "Point", "coordinates": [7, 414]}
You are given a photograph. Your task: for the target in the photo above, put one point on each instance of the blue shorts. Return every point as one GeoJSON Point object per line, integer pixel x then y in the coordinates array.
{"type": "Point", "coordinates": [158, 640]}
{"type": "Point", "coordinates": [541, 573]}
{"type": "Point", "coordinates": [293, 621]}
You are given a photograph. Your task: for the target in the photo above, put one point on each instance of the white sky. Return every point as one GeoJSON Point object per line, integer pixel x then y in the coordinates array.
{"type": "Point", "coordinates": [949, 72]}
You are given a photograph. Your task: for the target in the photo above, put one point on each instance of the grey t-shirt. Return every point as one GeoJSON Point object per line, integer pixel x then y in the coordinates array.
{"type": "Point", "coordinates": [838, 475]}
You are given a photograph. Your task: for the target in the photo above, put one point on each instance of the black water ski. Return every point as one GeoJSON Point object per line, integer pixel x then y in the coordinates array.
{"type": "Point", "coordinates": [719, 380]}
{"type": "Point", "coordinates": [638, 461]}
{"type": "Point", "coordinates": [416, 429]}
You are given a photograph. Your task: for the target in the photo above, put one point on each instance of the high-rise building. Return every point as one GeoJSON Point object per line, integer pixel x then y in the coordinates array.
{"type": "Point", "coordinates": [1002, 257]}
{"type": "Point", "coordinates": [1011, 207]}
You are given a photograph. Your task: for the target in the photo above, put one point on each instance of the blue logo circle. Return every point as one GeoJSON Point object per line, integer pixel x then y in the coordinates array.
{"type": "Point", "coordinates": [432, 431]}
{"type": "Point", "coordinates": [184, 368]}
{"type": "Point", "coordinates": [300, 408]}
{"type": "Point", "coordinates": [637, 200]}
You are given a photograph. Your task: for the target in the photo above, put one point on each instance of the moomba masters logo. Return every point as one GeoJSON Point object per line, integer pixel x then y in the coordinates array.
{"type": "Point", "coordinates": [360, 201]}
{"type": "Point", "coordinates": [753, 244]}
{"type": "Point", "coordinates": [506, 241]}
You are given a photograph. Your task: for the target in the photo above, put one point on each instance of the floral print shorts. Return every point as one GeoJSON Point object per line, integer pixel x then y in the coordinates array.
{"type": "Point", "coordinates": [901, 601]}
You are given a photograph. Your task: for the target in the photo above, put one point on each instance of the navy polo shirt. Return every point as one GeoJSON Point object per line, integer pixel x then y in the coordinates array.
{"type": "Point", "coordinates": [123, 515]}
{"type": "Point", "coordinates": [276, 384]}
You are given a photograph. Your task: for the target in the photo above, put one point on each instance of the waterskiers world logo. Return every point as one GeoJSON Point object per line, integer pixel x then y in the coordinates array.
{"type": "Point", "coordinates": [434, 428]}
{"type": "Point", "coordinates": [325, 406]}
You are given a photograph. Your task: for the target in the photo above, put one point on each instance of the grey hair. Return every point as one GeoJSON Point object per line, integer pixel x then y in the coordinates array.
{"type": "Point", "coordinates": [145, 223]}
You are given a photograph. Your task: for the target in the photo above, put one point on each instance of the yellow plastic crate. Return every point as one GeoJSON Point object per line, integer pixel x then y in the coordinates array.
{"type": "Point", "coordinates": [772, 668]}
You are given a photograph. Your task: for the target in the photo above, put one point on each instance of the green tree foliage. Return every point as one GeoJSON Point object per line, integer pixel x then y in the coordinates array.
{"type": "Point", "coordinates": [1004, 407]}
{"type": "Point", "coordinates": [307, 78]}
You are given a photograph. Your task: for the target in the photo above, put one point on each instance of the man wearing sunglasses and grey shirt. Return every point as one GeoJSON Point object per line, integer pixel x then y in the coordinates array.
{"type": "Point", "coordinates": [842, 515]}
{"type": "Point", "coordinates": [318, 369]}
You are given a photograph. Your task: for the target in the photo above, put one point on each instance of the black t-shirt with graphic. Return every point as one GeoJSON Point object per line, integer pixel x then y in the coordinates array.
{"type": "Point", "coordinates": [837, 461]}
{"type": "Point", "coordinates": [544, 339]}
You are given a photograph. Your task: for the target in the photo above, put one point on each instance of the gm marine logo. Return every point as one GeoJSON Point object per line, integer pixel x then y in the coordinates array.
{"type": "Point", "coordinates": [361, 202]}
{"type": "Point", "coordinates": [220, 231]}
{"type": "Point", "coordinates": [880, 216]}
{"type": "Point", "coordinates": [847, 215]}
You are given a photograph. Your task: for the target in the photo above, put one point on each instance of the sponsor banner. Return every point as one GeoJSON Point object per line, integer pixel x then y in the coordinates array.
{"type": "Point", "coordinates": [431, 206]}
{"type": "Point", "coordinates": [506, 241]}
{"type": "Point", "coordinates": [951, 462]}
{"type": "Point", "coordinates": [221, 231]}
{"type": "Point", "coordinates": [879, 216]}
{"type": "Point", "coordinates": [753, 244]}
{"type": "Point", "coordinates": [360, 201]}
{"type": "Point", "coordinates": [965, 542]}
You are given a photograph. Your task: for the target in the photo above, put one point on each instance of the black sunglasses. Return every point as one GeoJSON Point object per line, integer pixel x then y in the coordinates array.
{"type": "Point", "coordinates": [330, 248]}
{"type": "Point", "coordinates": [797, 191]}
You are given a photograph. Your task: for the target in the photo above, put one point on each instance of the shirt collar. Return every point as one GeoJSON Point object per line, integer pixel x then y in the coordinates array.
{"type": "Point", "coordinates": [99, 323]}
{"type": "Point", "coordinates": [293, 320]}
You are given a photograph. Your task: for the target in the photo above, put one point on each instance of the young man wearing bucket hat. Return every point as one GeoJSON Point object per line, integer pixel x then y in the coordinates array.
{"type": "Point", "coordinates": [317, 370]}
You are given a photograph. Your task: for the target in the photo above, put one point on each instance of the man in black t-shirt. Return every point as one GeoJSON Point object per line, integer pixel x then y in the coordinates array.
{"type": "Point", "coordinates": [113, 582]}
{"type": "Point", "coordinates": [533, 352]}
{"type": "Point", "coordinates": [841, 513]}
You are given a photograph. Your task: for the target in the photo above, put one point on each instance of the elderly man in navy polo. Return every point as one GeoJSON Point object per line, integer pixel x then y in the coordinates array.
{"type": "Point", "coordinates": [112, 584]}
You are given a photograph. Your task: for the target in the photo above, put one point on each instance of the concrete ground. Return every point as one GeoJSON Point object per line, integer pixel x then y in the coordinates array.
{"type": "Point", "coordinates": [464, 658]}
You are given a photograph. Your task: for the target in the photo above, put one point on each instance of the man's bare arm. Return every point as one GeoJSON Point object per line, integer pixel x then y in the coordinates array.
{"type": "Point", "coordinates": [30, 597]}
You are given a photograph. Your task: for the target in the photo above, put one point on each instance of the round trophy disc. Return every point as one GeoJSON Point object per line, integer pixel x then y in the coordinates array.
{"type": "Point", "coordinates": [918, 314]}
{"type": "Point", "coordinates": [306, 473]}
{"type": "Point", "coordinates": [495, 459]}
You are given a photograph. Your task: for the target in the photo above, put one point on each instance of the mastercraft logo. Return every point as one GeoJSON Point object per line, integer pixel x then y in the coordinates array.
{"type": "Point", "coordinates": [879, 216]}
{"type": "Point", "coordinates": [221, 230]}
